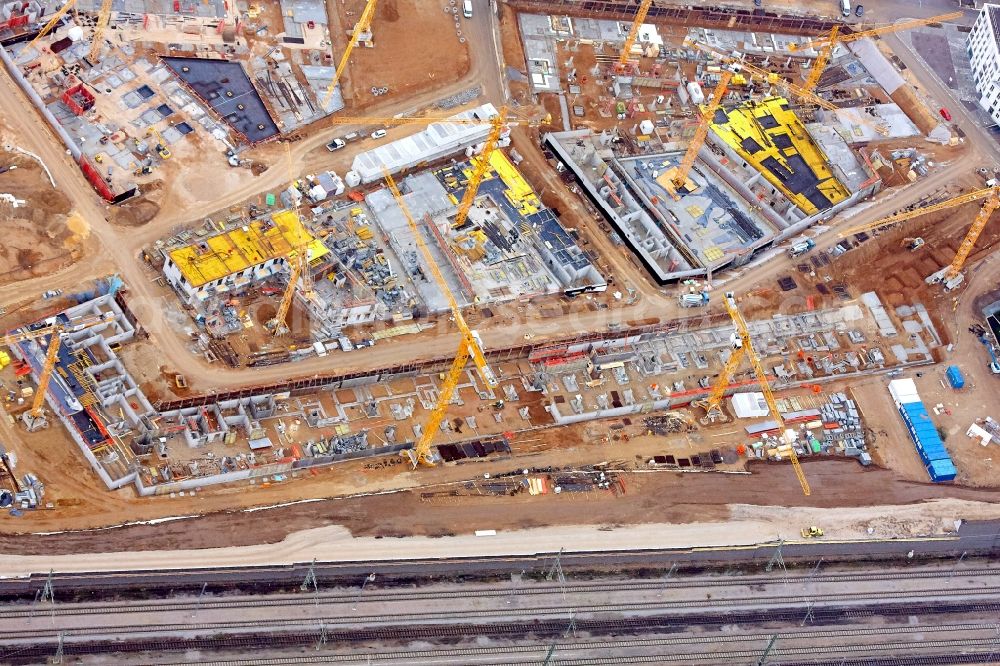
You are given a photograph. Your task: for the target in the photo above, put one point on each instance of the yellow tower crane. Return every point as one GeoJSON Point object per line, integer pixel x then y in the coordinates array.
{"type": "Point", "coordinates": [480, 164]}
{"type": "Point", "coordinates": [679, 178]}
{"type": "Point", "coordinates": [771, 78]}
{"type": "Point", "coordinates": [954, 269]}
{"type": "Point", "coordinates": [33, 418]}
{"type": "Point", "coordinates": [47, 28]}
{"type": "Point", "coordinates": [712, 403]}
{"type": "Point", "coordinates": [363, 25]}
{"type": "Point", "coordinates": [298, 266]}
{"type": "Point", "coordinates": [743, 331]}
{"type": "Point", "coordinates": [633, 33]}
{"type": "Point", "coordinates": [469, 347]}
{"type": "Point", "coordinates": [102, 23]}
{"type": "Point", "coordinates": [788, 88]}
{"type": "Point", "coordinates": [828, 43]}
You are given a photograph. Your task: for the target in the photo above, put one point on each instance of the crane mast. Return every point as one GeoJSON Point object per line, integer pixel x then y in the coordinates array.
{"type": "Point", "coordinates": [633, 33]}
{"type": "Point", "coordinates": [102, 23]}
{"type": "Point", "coordinates": [480, 164]}
{"type": "Point", "coordinates": [480, 168]}
{"type": "Point", "coordinates": [743, 331]}
{"type": "Point", "coordinates": [680, 177]}
{"type": "Point", "coordinates": [972, 235]}
{"type": "Point", "coordinates": [712, 404]}
{"type": "Point", "coordinates": [55, 332]}
{"type": "Point", "coordinates": [828, 43]}
{"type": "Point", "coordinates": [954, 269]}
{"type": "Point", "coordinates": [47, 28]}
{"type": "Point", "coordinates": [469, 346]}
{"type": "Point", "coordinates": [363, 25]}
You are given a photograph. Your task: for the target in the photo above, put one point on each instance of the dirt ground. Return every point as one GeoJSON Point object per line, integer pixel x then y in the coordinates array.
{"type": "Point", "coordinates": [400, 59]}
{"type": "Point", "coordinates": [37, 239]}
{"type": "Point", "coordinates": [650, 498]}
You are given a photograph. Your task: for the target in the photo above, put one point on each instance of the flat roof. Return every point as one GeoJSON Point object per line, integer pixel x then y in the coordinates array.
{"type": "Point", "coordinates": [225, 86]}
{"type": "Point", "coordinates": [224, 254]}
{"type": "Point", "coordinates": [768, 135]}
{"type": "Point", "coordinates": [437, 140]}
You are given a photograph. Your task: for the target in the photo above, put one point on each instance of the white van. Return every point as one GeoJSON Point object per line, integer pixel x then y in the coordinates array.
{"type": "Point", "coordinates": [845, 7]}
{"type": "Point", "coordinates": [467, 8]}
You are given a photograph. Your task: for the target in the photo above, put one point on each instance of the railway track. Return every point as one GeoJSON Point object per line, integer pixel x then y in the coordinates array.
{"type": "Point", "coordinates": [946, 644]}
{"type": "Point", "coordinates": [703, 643]}
{"type": "Point", "coordinates": [412, 628]}
{"type": "Point", "coordinates": [530, 590]}
{"type": "Point", "coordinates": [718, 605]}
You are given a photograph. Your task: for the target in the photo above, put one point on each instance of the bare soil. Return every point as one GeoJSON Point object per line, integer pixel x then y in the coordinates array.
{"type": "Point", "coordinates": [135, 213]}
{"type": "Point", "coordinates": [400, 59]}
{"type": "Point", "coordinates": [37, 240]}
{"type": "Point", "coordinates": [650, 498]}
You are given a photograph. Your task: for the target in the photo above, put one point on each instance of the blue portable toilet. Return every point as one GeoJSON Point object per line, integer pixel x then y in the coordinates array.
{"type": "Point", "coordinates": [955, 377]}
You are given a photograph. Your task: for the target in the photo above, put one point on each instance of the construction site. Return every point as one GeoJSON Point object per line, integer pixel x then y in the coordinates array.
{"type": "Point", "coordinates": [587, 254]}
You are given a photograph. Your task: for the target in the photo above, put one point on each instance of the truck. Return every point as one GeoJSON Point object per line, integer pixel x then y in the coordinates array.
{"type": "Point", "coordinates": [801, 247]}
{"type": "Point", "coordinates": [694, 300]}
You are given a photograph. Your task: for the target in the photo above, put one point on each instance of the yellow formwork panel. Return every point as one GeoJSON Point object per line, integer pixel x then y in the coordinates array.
{"type": "Point", "coordinates": [744, 123]}
{"type": "Point", "coordinates": [225, 254]}
{"type": "Point", "coordinates": [713, 253]}
{"type": "Point", "coordinates": [518, 191]}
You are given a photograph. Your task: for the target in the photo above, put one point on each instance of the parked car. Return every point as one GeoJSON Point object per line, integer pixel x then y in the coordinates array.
{"type": "Point", "coordinates": [336, 144]}
{"type": "Point", "coordinates": [859, 11]}
{"type": "Point", "coordinates": [945, 113]}
{"type": "Point", "coordinates": [379, 134]}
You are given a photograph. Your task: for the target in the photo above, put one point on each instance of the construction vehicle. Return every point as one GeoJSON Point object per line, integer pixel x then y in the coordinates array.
{"type": "Point", "coordinates": [913, 244]}
{"type": "Point", "coordinates": [827, 44]}
{"type": "Point", "coordinates": [693, 299]}
{"type": "Point", "coordinates": [469, 347]}
{"type": "Point", "coordinates": [362, 27]}
{"type": "Point", "coordinates": [811, 532]}
{"type": "Point", "coordinates": [743, 331]}
{"type": "Point", "coordinates": [34, 418]}
{"type": "Point", "coordinates": [983, 338]}
{"type": "Point", "coordinates": [480, 165]}
{"type": "Point", "coordinates": [801, 247]}
{"type": "Point", "coordinates": [633, 33]}
{"type": "Point", "coordinates": [103, 17]}
{"type": "Point", "coordinates": [950, 275]}
{"type": "Point", "coordinates": [161, 145]}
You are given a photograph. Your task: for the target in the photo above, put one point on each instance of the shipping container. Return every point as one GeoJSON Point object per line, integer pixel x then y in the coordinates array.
{"type": "Point", "coordinates": [923, 432]}
{"type": "Point", "coordinates": [941, 470]}
{"type": "Point", "coordinates": [955, 377]}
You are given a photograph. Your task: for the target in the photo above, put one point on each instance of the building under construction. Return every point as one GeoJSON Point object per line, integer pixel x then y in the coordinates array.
{"type": "Point", "coordinates": [760, 179]}
{"type": "Point", "coordinates": [275, 432]}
